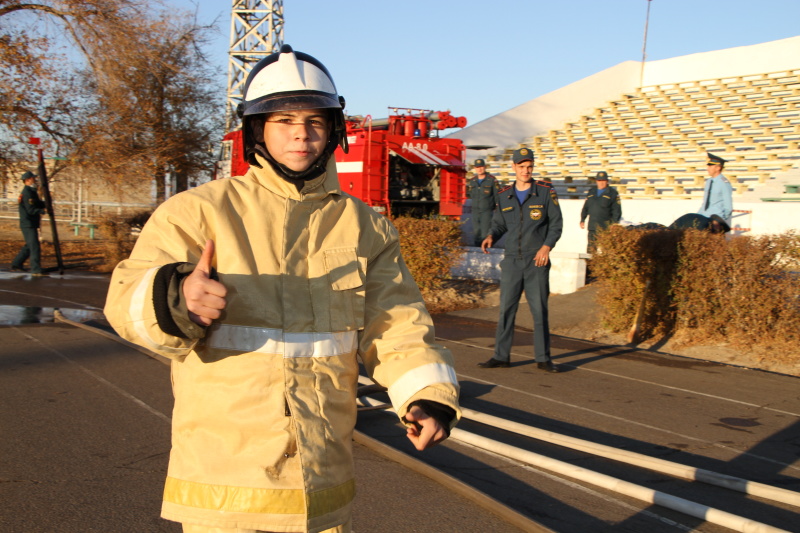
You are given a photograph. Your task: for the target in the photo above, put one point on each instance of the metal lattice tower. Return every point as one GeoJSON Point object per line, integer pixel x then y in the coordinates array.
{"type": "Point", "coordinates": [256, 32]}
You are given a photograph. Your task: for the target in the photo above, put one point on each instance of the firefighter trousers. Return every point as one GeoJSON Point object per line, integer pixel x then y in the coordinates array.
{"type": "Point", "coordinates": [520, 274]}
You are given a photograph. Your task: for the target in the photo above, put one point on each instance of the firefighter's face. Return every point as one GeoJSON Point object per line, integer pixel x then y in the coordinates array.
{"type": "Point", "coordinates": [296, 138]}
{"type": "Point", "coordinates": [524, 171]}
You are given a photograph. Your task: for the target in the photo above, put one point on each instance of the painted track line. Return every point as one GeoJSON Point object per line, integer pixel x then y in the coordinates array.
{"type": "Point", "coordinates": [100, 379]}
{"type": "Point", "coordinates": [620, 376]}
{"type": "Point", "coordinates": [618, 418]}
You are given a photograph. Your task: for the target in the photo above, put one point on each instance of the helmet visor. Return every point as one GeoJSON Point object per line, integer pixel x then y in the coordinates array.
{"type": "Point", "coordinates": [291, 102]}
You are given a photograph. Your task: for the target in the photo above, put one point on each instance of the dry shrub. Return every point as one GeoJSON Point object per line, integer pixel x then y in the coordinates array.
{"type": "Point", "coordinates": [703, 288]}
{"type": "Point", "coordinates": [740, 291]}
{"type": "Point", "coordinates": [121, 232]}
{"type": "Point", "coordinates": [628, 264]}
{"type": "Point", "coordinates": [430, 247]}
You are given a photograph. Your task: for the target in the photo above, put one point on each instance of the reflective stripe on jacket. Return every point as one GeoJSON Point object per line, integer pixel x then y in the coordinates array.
{"type": "Point", "coordinates": [265, 402]}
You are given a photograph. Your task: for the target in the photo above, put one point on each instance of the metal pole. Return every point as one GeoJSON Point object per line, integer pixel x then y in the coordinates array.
{"type": "Point", "coordinates": [48, 205]}
{"type": "Point", "coordinates": [644, 44]}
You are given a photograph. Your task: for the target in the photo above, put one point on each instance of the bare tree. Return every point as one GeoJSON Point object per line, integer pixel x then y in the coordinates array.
{"type": "Point", "coordinates": [35, 86]}
{"type": "Point", "coordinates": [144, 103]}
{"type": "Point", "coordinates": [160, 108]}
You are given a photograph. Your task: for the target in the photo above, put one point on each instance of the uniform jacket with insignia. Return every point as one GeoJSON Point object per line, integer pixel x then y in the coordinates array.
{"type": "Point", "coordinates": [602, 210]}
{"type": "Point", "coordinates": [31, 207]}
{"type": "Point", "coordinates": [265, 398]}
{"type": "Point", "coordinates": [717, 198]}
{"type": "Point", "coordinates": [529, 226]}
{"type": "Point", "coordinates": [483, 196]}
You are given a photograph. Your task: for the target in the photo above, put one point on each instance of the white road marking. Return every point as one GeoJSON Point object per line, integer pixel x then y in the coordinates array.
{"type": "Point", "coordinates": [80, 305]}
{"type": "Point", "coordinates": [621, 419]}
{"type": "Point", "coordinates": [748, 404]}
{"type": "Point", "coordinates": [105, 382]}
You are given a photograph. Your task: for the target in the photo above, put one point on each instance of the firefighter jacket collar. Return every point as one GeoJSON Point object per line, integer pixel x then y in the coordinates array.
{"type": "Point", "coordinates": [315, 189]}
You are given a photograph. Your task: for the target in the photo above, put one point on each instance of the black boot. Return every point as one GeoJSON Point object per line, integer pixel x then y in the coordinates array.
{"type": "Point", "coordinates": [548, 367]}
{"type": "Point", "coordinates": [494, 363]}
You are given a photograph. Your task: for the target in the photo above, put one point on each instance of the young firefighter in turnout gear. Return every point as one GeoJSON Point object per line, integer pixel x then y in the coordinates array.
{"type": "Point", "coordinates": [265, 290]}
{"type": "Point", "coordinates": [529, 214]}
{"type": "Point", "coordinates": [602, 206]}
{"type": "Point", "coordinates": [31, 209]}
{"type": "Point", "coordinates": [483, 196]}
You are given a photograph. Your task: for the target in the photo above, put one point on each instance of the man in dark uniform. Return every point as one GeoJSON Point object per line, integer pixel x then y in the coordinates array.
{"type": "Point", "coordinates": [602, 206]}
{"type": "Point", "coordinates": [714, 224]}
{"type": "Point", "coordinates": [528, 211]}
{"type": "Point", "coordinates": [483, 193]}
{"type": "Point", "coordinates": [31, 209]}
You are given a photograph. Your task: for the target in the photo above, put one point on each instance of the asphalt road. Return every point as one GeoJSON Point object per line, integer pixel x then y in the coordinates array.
{"type": "Point", "coordinates": [85, 430]}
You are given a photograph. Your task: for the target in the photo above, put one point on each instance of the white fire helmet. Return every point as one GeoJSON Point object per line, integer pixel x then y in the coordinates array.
{"type": "Point", "coordinates": [284, 81]}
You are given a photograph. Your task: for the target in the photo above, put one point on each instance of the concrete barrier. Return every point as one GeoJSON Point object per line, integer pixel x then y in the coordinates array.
{"type": "Point", "coordinates": [567, 274]}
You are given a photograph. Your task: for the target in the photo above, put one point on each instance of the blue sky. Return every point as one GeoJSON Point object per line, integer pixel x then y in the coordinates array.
{"type": "Point", "coordinates": [479, 58]}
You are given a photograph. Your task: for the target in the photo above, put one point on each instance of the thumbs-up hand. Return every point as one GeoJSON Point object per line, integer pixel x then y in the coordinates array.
{"type": "Point", "coordinates": [205, 297]}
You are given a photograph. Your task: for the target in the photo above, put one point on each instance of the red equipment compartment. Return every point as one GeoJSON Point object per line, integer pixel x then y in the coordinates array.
{"type": "Point", "coordinates": [397, 167]}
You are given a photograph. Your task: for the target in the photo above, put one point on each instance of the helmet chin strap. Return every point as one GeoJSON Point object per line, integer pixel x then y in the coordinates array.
{"type": "Point", "coordinates": [313, 171]}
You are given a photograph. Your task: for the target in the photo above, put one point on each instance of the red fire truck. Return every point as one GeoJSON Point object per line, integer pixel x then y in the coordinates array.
{"type": "Point", "coordinates": [398, 165]}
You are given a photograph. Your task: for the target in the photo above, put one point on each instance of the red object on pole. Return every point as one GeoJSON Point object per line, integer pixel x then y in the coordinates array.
{"type": "Point", "coordinates": [34, 140]}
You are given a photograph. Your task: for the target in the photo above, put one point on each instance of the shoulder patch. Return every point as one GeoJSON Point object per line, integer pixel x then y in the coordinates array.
{"type": "Point", "coordinates": [554, 196]}
{"type": "Point", "coordinates": [544, 184]}
{"type": "Point", "coordinates": [504, 189]}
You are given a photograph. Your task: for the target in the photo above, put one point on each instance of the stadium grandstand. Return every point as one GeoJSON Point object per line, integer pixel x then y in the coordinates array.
{"type": "Point", "coordinates": [649, 125]}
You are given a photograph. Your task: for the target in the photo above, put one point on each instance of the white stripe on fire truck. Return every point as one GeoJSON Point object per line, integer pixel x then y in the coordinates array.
{"type": "Point", "coordinates": [343, 167]}
{"type": "Point", "coordinates": [429, 157]}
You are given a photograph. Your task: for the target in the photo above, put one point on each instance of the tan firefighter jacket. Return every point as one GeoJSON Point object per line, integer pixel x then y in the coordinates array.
{"type": "Point", "coordinates": [265, 400]}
